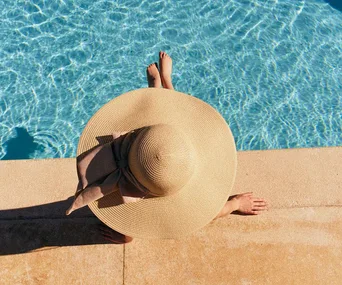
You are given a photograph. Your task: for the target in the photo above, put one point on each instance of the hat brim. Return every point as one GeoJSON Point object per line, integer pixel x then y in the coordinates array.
{"type": "Point", "coordinates": [205, 194]}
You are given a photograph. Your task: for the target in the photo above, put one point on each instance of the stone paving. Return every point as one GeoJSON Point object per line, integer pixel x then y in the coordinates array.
{"type": "Point", "coordinates": [298, 241]}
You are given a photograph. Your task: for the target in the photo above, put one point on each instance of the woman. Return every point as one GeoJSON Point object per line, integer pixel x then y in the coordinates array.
{"type": "Point", "coordinates": [166, 177]}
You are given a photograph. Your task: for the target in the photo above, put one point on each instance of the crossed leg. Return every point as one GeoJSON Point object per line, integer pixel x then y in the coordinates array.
{"type": "Point", "coordinates": [156, 77]}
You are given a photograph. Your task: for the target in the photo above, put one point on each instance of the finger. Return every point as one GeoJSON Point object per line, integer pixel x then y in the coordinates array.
{"type": "Point", "coordinates": [259, 203]}
{"type": "Point", "coordinates": [259, 207]}
{"type": "Point", "coordinates": [248, 194]}
{"type": "Point", "coordinates": [256, 212]}
{"type": "Point", "coordinates": [255, 199]}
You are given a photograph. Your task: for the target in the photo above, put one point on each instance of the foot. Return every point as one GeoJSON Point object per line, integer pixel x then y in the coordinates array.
{"type": "Point", "coordinates": [113, 236]}
{"type": "Point", "coordinates": [165, 65]}
{"type": "Point", "coordinates": [153, 76]}
{"type": "Point", "coordinates": [247, 204]}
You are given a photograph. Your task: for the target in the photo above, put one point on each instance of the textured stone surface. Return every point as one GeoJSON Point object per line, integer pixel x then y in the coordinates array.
{"type": "Point", "coordinates": [295, 246]}
{"type": "Point", "coordinates": [293, 177]}
{"type": "Point", "coordinates": [35, 182]}
{"type": "Point", "coordinates": [38, 243]}
{"type": "Point", "coordinates": [298, 241]}
{"type": "Point", "coordinates": [64, 265]}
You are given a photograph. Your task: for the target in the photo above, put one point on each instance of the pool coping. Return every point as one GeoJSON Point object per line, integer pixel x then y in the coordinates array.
{"type": "Point", "coordinates": [291, 179]}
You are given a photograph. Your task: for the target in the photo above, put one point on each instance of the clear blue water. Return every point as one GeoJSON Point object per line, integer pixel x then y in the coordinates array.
{"type": "Point", "coordinates": [271, 68]}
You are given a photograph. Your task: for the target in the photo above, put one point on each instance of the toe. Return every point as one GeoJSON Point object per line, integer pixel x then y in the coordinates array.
{"type": "Point", "coordinates": [151, 67]}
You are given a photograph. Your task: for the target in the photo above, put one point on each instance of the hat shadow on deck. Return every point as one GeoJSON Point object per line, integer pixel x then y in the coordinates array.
{"type": "Point", "coordinates": [27, 229]}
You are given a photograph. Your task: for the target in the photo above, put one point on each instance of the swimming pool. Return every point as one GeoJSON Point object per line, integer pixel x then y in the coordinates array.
{"type": "Point", "coordinates": [271, 68]}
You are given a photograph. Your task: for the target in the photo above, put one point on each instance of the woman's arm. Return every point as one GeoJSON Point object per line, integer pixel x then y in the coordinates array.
{"type": "Point", "coordinates": [244, 203]}
{"type": "Point", "coordinates": [229, 207]}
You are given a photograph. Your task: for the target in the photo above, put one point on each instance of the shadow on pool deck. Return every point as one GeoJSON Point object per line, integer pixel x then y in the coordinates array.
{"type": "Point", "coordinates": [26, 229]}
{"type": "Point", "coordinates": [298, 241]}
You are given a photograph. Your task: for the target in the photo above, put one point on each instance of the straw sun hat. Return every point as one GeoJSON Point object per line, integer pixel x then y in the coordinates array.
{"type": "Point", "coordinates": [155, 163]}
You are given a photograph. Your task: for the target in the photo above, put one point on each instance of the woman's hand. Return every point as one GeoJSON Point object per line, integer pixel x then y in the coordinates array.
{"type": "Point", "coordinates": [247, 204]}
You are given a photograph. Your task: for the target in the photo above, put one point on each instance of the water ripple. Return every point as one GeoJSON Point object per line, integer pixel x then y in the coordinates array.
{"type": "Point", "coordinates": [272, 69]}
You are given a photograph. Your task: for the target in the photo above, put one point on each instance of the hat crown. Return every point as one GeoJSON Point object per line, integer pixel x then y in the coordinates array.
{"type": "Point", "coordinates": [162, 159]}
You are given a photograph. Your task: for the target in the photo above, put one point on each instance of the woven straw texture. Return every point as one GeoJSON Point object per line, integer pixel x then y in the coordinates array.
{"type": "Point", "coordinates": [210, 185]}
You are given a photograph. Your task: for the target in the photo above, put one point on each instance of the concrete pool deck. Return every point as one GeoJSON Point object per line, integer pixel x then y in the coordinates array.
{"type": "Point", "coordinates": [298, 241]}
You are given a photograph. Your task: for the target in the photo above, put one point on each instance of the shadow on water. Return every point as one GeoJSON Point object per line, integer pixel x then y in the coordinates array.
{"type": "Point", "coordinates": [21, 146]}
{"type": "Point", "coordinates": [337, 4]}
{"type": "Point", "coordinates": [27, 229]}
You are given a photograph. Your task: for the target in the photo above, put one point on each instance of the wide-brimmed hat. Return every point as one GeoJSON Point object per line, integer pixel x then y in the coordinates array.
{"type": "Point", "coordinates": [155, 163]}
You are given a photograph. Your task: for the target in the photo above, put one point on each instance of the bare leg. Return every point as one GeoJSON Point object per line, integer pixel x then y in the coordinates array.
{"type": "Point", "coordinates": [245, 204]}
{"type": "Point", "coordinates": [165, 65]}
{"type": "Point", "coordinates": [153, 76]}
